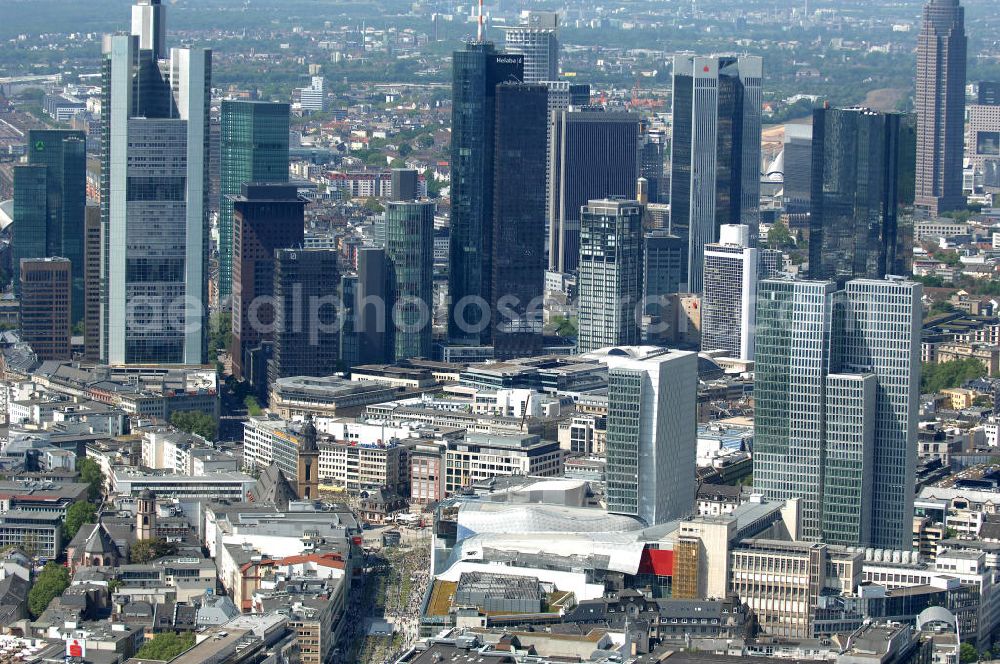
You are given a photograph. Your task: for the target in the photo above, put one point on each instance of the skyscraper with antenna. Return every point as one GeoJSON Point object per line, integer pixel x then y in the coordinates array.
{"type": "Point", "coordinates": [477, 70]}
{"type": "Point", "coordinates": [154, 193]}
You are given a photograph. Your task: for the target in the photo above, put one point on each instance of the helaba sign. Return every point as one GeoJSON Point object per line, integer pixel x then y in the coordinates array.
{"type": "Point", "coordinates": [509, 60]}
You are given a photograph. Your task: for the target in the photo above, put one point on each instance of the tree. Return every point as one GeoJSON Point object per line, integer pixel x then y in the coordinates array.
{"type": "Point", "coordinates": [77, 514]}
{"type": "Point", "coordinates": [253, 408]}
{"type": "Point", "coordinates": [164, 647]}
{"type": "Point", "coordinates": [373, 205]}
{"type": "Point", "coordinates": [930, 280]}
{"type": "Point", "coordinates": [942, 307]}
{"type": "Point", "coordinates": [221, 331]}
{"type": "Point", "coordinates": [778, 236]}
{"type": "Point", "coordinates": [405, 150]}
{"type": "Point", "coordinates": [425, 140]}
{"type": "Point", "coordinates": [144, 551]}
{"type": "Point", "coordinates": [91, 474]}
{"type": "Point", "coordinates": [49, 584]}
{"type": "Point", "coordinates": [968, 654]}
{"type": "Point", "coordinates": [983, 401]}
{"type": "Point", "coordinates": [940, 376]}
{"type": "Point", "coordinates": [197, 422]}
{"type": "Point", "coordinates": [565, 327]}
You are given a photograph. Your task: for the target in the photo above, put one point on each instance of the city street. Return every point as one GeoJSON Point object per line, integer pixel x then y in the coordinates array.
{"type": "Point", "coordinates": [390, 597]}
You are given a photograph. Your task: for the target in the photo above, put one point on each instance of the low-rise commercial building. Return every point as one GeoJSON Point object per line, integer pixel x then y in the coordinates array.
{"type": "Point", "coordinates": [482, 456]}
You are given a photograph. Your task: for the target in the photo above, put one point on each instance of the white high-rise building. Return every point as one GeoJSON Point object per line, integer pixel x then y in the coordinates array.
{"type": "Point", "coordinates": [313, 98]}
{"type": "Point", "coordinates": [537, 39]}
{"type": "Point", "coordinates": [729, 302]}
{"type": "Point", "coordinates": [652, 431]}
{"type": "Point", "coordinates": [154, 189]}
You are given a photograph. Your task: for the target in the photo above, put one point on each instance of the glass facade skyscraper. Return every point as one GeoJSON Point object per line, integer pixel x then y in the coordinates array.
{"type": "Point", "coordinates": [265, 217]}
{"type": "Point", "coordinates": [859, 160]}
{"type": "Point", "coordinates": [519, 220]}
{"type": "Point", "coordinates": [715, 154]}
{"type": "Point", "coordinates": [253, 149]}
{"type": "Point", "coordinates": [409, 263]}
{"type": "Point", "coordinates": [610, 276]}
{"type": "Point", "coordinates": [50, 200]}
{"type": "Point", "coordinates": [154, 192]}
{"type": "Point", "coordinates": [652, 432]}
{"type": "Point", "coordinates": [594, 154]}
{"type": "Point", "coordinates": [664, 257]}
{"type": "Point", "coordinates": [836, 390]}
{"type": "Point", "coordinates": [306, 330]}
{"type": "Point", "coordinates": [476, 72]}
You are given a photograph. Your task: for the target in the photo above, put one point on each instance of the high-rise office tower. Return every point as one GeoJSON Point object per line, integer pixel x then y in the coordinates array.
{"type": "Point", "coordinates": [651, 167]}
{"type": "Point", "coordinates": [254, 148]}
{"type": "Point", "coordinates": [154, 190]}
{"type": "Point", "coordinates": [313, 98]}
{"type": "Point", "coordinates": [664, 257]}
{"type": "Point", "coordinates": [825, 433]}
{"type": "Point", "coordinates": [46, 294]}
{"type": "Point", "coordinates": [858, 160]}
{"type": "Point", "coordinates": [477, 71]}
{"type": "Point", "coordinates": [884, 339]}
{"type": "Point", "coordinates": [792, 360]}
{"type": "Point", "coordinates": [405, 184]}
{"type": "Point", "coordinates": [50, 199]}
{"type": "Point", "coordinates": [149, 23]}
{"type": "Point", "coordinates": [651, 438]}
{"type": "Point", "coordinates": [983, 140]}
{"type": "Point", "coordinates": [610, 275]}
{"type": "Point", "coordinates": [594, 155]}
{"type": "Point", "coordinates": [729, 300]}
{"type": "Point", "coordinates": [715, 154]}
{"type": "Point", "coordinates": [940, 106]}
{"type": "Point", "coordinates": [349, 332]}
{"type": "Point", "coordinates": [409, 261]}
{"type": "Point", "coordinates": [92, 284]}
{"type": "Point", "coordinates": [306, 316]}
{"type": "Point", "coordinates": [562, 95]}
{"type": "Point", "coordinates": [372, 308]}
{"type": "Point", "coordinates": [796, 157]}
{"type": "Point", "coordinates": [519, 220]}
{"type": "Point", "coordinates": [537, 39]}
{"type": "Point", "coordinates": [266, 217]}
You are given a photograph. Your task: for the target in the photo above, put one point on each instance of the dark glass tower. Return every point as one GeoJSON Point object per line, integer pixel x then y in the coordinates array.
{"type": "Point", "coordinates": [715, 156]}
{"type": "Point", "coordinates": [595, 154]}
{"type": "Point", "coordinates": [477, 71]}
{"type": "Point", "coordinates": [50, 201]}
{"type": "Point", "coordinates": [254, 148]}
{"type": "Point", "coordinates": [519, 219]}
{"type": "Point", "coordinates": [940, 106]}
{"type": "Point", "coordinates": [265, 217]}
{"type": "Point", "coordinates": [306, 339]}
{"type": "Point", "coordinates": [664, 258]}
{"type": "Point", "coordinates": [409, 254]}
{"type": "Point", "coordinates": [857, 159]}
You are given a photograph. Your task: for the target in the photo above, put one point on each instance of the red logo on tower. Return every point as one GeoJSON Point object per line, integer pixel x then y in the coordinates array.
{"type": "Point", "coordinates": [76, 648]}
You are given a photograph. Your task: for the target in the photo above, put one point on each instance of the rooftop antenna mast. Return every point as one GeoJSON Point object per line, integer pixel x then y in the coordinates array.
{"type": "Point", "coordinates": [479, 27]}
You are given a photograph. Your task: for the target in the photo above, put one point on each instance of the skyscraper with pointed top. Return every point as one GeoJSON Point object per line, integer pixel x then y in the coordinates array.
{"type": "Point", "coordinates": [940, 106]}
{"type": "Point", "coordinates": [154, 191]}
